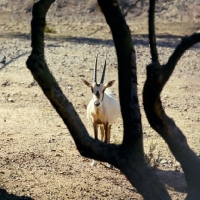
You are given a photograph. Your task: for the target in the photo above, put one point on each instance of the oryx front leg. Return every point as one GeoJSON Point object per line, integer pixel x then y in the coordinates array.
{"type": "Point", "coordinates": [107, 139]}
{"type": "Point", "coordinates": [95, 127]}
{"type": "Point", "coordinates": [107, 133]}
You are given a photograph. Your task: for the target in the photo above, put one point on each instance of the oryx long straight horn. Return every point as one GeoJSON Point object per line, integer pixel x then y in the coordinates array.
{"type": "Point", "coordinates": [95, 69]}
{"type": "Point", "coordinates": [103, 73]}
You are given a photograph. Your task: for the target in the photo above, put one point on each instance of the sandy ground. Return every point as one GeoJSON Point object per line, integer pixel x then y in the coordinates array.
{"type": "Point", "coordinates": [38, 157]}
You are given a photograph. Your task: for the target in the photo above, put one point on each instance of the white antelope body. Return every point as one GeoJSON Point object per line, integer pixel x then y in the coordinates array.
{"type": "Point", "coordinates": [103, 109]}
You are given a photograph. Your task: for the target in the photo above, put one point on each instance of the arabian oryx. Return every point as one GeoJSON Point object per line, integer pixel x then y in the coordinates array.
{"type": "Point", "coordinates": [103, 109]}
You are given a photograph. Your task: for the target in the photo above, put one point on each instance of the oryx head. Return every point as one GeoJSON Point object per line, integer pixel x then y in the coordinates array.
{"type": "Point", "coordinates": [98, 88]}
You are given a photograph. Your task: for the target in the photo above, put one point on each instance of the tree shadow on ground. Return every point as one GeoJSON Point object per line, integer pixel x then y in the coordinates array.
{"type": "Point", "coordinates": [5, 196]}
{"type": "Point", "coordinates": [173, 180]}
{"type": "Point", "coordinates": [166, 40]}
{"type": "Point", "coordinates": [13, 59]}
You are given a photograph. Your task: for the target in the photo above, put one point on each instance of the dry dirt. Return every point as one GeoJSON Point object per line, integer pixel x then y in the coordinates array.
{"type": "Point", "coordinates": [38, 157]}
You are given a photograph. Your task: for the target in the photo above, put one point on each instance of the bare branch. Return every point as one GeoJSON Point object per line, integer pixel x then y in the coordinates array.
{"type": "Point", "coordinates": [152, 38]}
{"type": "Point", "coordinates": [157, 76]}
{"type": "Point", "coordinates": [131, 7]}
{"type": "Point", "coordinates": [185, 44]}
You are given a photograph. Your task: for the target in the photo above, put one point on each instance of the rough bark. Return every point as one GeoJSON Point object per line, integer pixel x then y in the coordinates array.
{"type": "Point", "coordinates": [126, 73]}
{"type": "Point", "coordinates": [157, 76]}
{"type": "Point", "coordinates": [136, 170]}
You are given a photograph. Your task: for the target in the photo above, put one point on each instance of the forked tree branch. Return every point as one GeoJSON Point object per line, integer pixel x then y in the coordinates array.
{"type": "Point", "coordinates": [127, 157]}
{"type": "Point", "coordinates": [167, 128]}
{"type": "Point", "coordinates": [157, 76]}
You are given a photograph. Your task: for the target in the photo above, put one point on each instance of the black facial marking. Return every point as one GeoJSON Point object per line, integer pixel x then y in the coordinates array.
{"type": "Point", "coordinates": [97, 94]}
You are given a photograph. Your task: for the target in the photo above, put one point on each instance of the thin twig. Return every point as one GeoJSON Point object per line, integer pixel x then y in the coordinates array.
{"type": "Point", "coordinates": [131, 7]}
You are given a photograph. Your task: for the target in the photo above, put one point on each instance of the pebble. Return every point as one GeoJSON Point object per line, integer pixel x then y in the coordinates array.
{"type": "Point", "coordinates": [163, 162]}
{"type": "Point", "coordinates": [14, 93]}
{"type": "Point", "coordinates": [69, 87]}
{"type": "Point", "coordinates": [10, 100]}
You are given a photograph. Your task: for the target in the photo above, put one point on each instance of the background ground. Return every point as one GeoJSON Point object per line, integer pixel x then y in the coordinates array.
{"type": "Point", "coordinates": [38, 158]}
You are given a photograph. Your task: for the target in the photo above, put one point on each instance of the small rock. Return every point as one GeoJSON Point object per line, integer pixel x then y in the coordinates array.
{"type": "Point", "coordinates": [165, 96]}
{"type": "Point", "coordinates": [177, 170]}
{"type": "Point", "coordinates": [69, 87]}
{"type": "Point", "coordinates": [58, 155]}
{"type": "Point", "coordinates": [163, 162]}
{"type": "Point", "coordinates": [10, 100]}
{"type": "Point", "coordinates": [14, 93]}
{"type": "Point", "coordinates": [5, 83]}
{"type": "Point", "coordinates": [170, 162]}
{"type": "Point", "coordinates": [33, 83]}
{"type": "Point", "coordinates": [177, 164]}
{"type": "Point", "coordinates": [165, 165]}
{"type": "Point", "coordinates": [52, 140]}
{"type": "Point", "coordinates": [3, 61]}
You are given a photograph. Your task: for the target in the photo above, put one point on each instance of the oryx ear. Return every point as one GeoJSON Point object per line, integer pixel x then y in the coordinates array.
{"type": "Point", "coordinates": [86, 83]}
{"type": "Point", "coordinates": [109, 83]}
